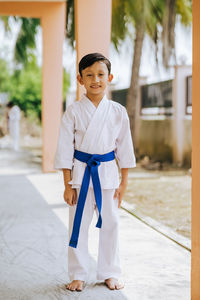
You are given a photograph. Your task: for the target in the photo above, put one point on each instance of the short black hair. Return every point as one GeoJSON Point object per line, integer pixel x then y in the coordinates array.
{"type": "Point", "coordinates": [90, 59]}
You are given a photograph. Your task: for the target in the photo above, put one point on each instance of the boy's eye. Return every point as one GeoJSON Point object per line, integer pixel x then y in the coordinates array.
{"type": "Point", "coordinates": [89, 75]}
{"type": "Point", "coordinates": [101, 74]}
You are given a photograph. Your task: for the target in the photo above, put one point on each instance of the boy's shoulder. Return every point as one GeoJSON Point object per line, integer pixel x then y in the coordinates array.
{"type": "Point", "coordinates": [117, 106]}
{"type": "Point", "coordinates": [72, 107]}
{"type": "Point", "coordinates": [74, 104]}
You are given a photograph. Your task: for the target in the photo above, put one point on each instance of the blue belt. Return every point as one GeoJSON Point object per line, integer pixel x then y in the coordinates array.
{"type": "Point", "coordinates": [93, 161]}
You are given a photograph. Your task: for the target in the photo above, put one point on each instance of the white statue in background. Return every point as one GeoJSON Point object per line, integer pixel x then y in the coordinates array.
{"type": "Point", "coordinates": [14, 116]}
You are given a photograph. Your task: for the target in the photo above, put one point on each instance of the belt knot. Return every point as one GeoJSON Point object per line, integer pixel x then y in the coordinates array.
{"type": "Point", "coordinates": [93, 161]}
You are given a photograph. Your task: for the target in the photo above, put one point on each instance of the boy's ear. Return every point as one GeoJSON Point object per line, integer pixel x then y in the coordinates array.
{"type": "Point", "coordinates": [110, 77]}
{"type": "Point", "coordinates": [79, 78]}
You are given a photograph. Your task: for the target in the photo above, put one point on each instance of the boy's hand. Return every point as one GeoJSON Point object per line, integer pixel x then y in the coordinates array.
{"type": "Point", "coordinates": [70, 195]}
{"type": "Point", "coordinates": [119, 193]}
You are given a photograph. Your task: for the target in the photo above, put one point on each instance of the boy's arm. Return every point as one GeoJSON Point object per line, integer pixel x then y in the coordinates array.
{"type": "Point", "coordinates": [124, 176]}
{"type": "Point", "coordinates": [69, 193]}
{"type": "Point", "coordinates": [65, 148]}
{"type": "Point", "coordinates": [124, 146]}
{"type": "Point", "coordinates": [119, 193]}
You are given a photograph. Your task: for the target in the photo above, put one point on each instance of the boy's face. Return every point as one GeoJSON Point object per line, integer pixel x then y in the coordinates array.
{"type": "Point", "coordinates": [95, 78]}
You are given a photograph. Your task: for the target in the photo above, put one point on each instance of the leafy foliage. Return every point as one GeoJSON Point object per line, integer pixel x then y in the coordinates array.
{"type": "Point", "coordinates": [24, 86]}
{"type": "Point", "coordinates": [26, 39]}
{"type": "Point", "coordinates": [4, 76]}
{"type": "Point", "coordinates": [5, 21]}
{"type": "Point", "coordinates": [25, 89]}
{"type": "Point", "coordinates": [184, 10]}
{"type": "Point", "coordinates": [119, 22]}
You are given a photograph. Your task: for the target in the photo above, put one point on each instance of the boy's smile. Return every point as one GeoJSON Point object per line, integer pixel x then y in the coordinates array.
{"type": "Point", "coordinates": [95, 79]}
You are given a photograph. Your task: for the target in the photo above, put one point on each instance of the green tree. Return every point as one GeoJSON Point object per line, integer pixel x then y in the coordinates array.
{"type": "Point", "coordinates": [24, 86]}
{"type": "Point", "coordinates": [25, 90]}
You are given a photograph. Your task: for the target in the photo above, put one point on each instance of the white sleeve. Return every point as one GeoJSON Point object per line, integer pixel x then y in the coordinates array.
{"type": "Point", "coordinates": [65, 148]}
{"type": "Point", "coordinates": [124, 146]}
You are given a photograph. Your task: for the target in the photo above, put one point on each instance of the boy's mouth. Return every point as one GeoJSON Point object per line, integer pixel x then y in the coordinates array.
{"type": "Point", "coordinates": [95, 86]}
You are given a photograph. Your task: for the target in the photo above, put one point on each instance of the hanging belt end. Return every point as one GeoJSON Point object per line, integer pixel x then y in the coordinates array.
{"type": "Point", "coordinates": [99, 223]}
{"type": "Point", "coordinates": [73, 244]}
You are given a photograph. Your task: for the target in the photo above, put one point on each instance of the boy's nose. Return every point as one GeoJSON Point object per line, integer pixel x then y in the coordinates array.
{"type": "Point", "coordinates": [96, 78]}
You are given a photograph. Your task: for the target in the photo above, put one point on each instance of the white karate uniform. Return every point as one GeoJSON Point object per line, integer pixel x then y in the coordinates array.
{"type": "Point", "coordinates": [13, 124]}
{"type": "Point", "coordinates": [95, 130]}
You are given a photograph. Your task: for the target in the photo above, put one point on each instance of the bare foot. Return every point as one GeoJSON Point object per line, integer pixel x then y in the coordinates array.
{"type": "Point", "coordinates": [114, 284]}
{"type": "Point", "coordinates": [75, 285]}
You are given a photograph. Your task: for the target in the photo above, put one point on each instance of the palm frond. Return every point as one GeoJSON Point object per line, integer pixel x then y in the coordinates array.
{"type": "Point", "coordinates": [26, 39]}
{"type": "Point", "coordinates": [119, 28]}
{"type": "Point", "coordinates": [70, 22]}
{"type": "Point", "coordinates": [5, 21]}
{"type": "Point", "coordinates": [184, 9]}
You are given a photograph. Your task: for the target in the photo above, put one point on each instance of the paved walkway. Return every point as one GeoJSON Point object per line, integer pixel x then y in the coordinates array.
{"type": "Point", "coordinates": [33, 239]}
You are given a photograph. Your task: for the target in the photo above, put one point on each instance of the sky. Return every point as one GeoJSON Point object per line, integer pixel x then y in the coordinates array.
{"type": "Point", "coordinates": [121, 62]}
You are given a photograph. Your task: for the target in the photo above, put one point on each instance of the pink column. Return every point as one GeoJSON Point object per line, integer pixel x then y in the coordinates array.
{"type": "Point", "coordinates": [92, 28]}
{"type": "Point", "coordinates": [195, 267]}
{"type": "Point", "coordinates": [53, 26]}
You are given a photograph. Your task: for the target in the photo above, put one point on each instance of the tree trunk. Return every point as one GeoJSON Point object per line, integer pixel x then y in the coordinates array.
{"type": "Point", "coordinates": [133, 91]}
{"type": "Point", "coordinates": [168, 33]}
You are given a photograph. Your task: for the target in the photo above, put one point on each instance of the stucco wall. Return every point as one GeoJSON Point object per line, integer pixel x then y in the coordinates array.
{"type": "Point", "coordinates": [155, 139]}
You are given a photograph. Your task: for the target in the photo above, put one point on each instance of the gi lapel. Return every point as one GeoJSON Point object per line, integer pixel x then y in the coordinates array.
{"type": "Point", "coordinates": [95, 129]}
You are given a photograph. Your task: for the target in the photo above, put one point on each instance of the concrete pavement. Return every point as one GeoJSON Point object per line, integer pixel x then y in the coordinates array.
{"type": "Point", "coordinates": [33, 244]}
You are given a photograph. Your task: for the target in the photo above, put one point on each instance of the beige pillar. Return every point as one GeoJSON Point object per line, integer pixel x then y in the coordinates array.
{"type": "Point", "coordinates": [53, 25]}
{"type": "Point", "coordinates": [92, 29]}
{"type": "Point", "coordinates": [195, 273]}
{"type": "Point", "coordinates": [179, 110]}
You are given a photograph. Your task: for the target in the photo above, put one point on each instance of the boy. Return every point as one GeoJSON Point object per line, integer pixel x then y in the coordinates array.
{"type": "Point", "coordinates": [93, 132]}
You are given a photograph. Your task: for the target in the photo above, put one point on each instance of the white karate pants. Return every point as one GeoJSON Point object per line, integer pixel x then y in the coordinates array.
{"type": "Point", "coordinates": [108, 264]}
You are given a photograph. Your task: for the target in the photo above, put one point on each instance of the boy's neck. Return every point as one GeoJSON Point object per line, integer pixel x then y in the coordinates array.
{"type": "Point", "coordinates": [95, 99]}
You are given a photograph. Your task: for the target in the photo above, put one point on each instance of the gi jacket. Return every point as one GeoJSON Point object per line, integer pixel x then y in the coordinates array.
{"type": "Point", "coordinates": [95, 130]}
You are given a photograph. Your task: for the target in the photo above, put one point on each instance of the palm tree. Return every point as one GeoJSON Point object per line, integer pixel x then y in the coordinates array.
{"type": "Point", "coordinates": [147, 17]}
